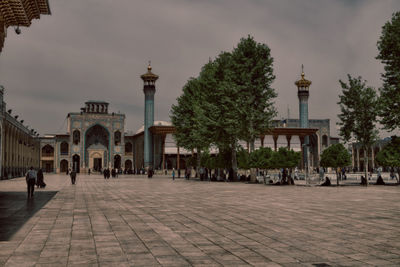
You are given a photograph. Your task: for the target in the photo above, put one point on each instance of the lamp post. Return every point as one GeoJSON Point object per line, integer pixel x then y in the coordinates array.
{"type": "Point", "coordinates": [305, 149]}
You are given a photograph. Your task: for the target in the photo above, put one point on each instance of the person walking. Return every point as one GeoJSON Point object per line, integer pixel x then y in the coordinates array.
{"type": "Point", "coordinates": [73, 176]}
{"type": "Point", "coordinates": [31, 178]}
{"type": "Point", "coordinates": [40, 179]}
{"type": "Point", "coordinates": [173, 173]}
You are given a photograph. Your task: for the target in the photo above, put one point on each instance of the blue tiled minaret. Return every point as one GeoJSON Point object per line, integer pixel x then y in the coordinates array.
{"type": "Point", "coordinates": [303, 93]}
{"type": "Point", "coordinates": [149, 89]}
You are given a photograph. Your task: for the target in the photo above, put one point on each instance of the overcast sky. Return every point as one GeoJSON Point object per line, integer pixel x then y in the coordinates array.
{"type": "Point", "coordinates": [97, 50]}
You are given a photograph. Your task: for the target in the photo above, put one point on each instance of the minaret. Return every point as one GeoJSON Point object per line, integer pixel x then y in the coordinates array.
{"type": "Point", "coordinates": [303, 93]}
{"type": "Point", "coordinates": [149, 89]}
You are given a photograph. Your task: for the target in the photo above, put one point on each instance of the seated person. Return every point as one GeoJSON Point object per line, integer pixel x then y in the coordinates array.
{"type": "Point", "coordinates": [380, 181]}
{"type": "Point", "coordinates": [327, 182]}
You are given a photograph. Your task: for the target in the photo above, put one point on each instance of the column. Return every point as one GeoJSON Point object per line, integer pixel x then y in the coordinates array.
{"type": "Point", "coordinates": [372, 157]}
{"type": "Point", "coordinates": [301, 137]}
{"type": "Point", "coordinates": [163, 150]}
{"type": "Point", "coordinates": [262, 140]}
{"type": "Point", "coordinates": [288, 138]}
{"type": "Point", "coordinates": [358, 159]}
{"type": "Point", "coordinates": [178, 159]}
{"type": "Point", "coordinates": [275, 137]}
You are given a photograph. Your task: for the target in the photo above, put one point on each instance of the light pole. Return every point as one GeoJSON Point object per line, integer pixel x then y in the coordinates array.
{"type": "Point", "coordinates": [306, 159]}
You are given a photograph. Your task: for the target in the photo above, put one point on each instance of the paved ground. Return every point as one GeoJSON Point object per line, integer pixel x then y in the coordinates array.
{"type": "Point", "coordinates": [135, 221]}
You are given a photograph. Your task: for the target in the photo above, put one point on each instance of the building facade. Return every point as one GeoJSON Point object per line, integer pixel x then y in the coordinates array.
{"type": "Point", "coordinates": [94, 140]}
{"type": "Point", "coordinates": [19, 145]}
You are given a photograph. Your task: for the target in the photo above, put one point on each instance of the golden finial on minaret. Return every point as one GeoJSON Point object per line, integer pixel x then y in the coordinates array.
{"type": "Point", "coordinates": [302, 84]}
{"type": "Point", "coordinates": [149, 66]}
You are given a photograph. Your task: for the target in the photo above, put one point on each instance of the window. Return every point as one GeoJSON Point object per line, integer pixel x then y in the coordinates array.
{"type": "Point", "coordinates": [76, 137]}
{"type": "Point", "coordinates": [117, 138]}
{"type": "Point", "coordinates": [64, 148]}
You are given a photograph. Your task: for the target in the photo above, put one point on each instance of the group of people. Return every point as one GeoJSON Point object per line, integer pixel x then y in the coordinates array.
{"type": "Point", "coordinates": [34, 178]}
{"type": "Point", "coordinates": [113, 173]}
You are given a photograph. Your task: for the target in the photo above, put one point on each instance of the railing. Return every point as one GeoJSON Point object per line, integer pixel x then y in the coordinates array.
{"type": "Point", "coordinates": [47, 155]}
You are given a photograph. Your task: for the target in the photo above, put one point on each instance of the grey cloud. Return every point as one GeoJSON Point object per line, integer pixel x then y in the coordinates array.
{"type": "Point", "coordinates": [98, 49]}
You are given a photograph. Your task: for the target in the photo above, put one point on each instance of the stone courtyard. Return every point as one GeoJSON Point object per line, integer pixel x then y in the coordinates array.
{"type": "Point", "coordinates": [135, 221]}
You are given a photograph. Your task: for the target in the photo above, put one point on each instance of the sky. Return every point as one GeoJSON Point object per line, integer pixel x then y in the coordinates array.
{"type": "Point", "coordinates": [97, 50]}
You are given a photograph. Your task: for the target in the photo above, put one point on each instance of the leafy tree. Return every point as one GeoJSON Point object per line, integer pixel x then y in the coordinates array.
{"type": "Point", "coordinates": [221, 107]}
{"type": "Point", "coordinates": [335, 156]}
{"type": "Point", "coordinates": [389, 54]}
{"type": "Point", "coordinates": [261, 158]}
{"type": "Point", "coordinates": [253, 75]}
{"type": "Point", "coordinates": [389, 156]}
{"type": "Point", "coordinates": [358, 116]}
{"type": "Point", "coordinates": [243, 157]}
{"type": "Point", "coordinates": [231, 100]}
{"type": "Point", "coordinates": [285, 158]}
{"type": "Point", "coordinates": [187, 116]}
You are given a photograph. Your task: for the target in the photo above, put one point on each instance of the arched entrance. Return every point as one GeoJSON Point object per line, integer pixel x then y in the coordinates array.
{"type": "Point", "coordinates": [48, 158]}
{"type": "Point", "coordinates": [76, 163]}
{"type": "Point", "coordinates": [97, 147]}
{"type": "Point", "coordinates": [117, 162]}
{"type": "Point", "coordinates": [64, 165]}
{"type": "Point", "coordinates": [128, 164]}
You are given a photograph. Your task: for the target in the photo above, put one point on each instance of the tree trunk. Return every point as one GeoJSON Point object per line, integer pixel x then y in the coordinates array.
{"type": "Point", "coordinates": [337, 177]}
{"type": "Point", "coordinates": [234, 162]}
{"type": "Point", "coordinates": [366, 165]}
{"type": "Point", "coordinates": [198, 161]}
{"type": "Point", "coordinates": [253, 175]}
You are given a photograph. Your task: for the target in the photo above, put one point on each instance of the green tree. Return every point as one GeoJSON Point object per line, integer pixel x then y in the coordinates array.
{"type": "Point", "coordinates": [358, 117]}
{"type": "Point", "coordinates": [187, 118]}
{"type": "Point", "coordinates": [335, 156]}
{"type": "Point", "coordinates": [389, 156]}
{"type": "Point", "coordinates": [221, 107]}
{"type": "Point", "coordinates": [261, 158]}
{"type": "Point", "coordinates": [285, 158]}
{"type": "Point", "coordinates": [389, 54]}
{"type": "Point", "coordinates": [243, 157]}
{"type": "Point", "coordinates": [252, 68]}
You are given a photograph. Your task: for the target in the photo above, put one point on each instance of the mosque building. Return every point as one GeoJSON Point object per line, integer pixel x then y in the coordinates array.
{"type": "Point", "coordinates": [97, 139]}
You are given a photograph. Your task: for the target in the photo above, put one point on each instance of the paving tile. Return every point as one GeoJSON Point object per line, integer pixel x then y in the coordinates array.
{"type": "Point", "coordinates": [135, 221]}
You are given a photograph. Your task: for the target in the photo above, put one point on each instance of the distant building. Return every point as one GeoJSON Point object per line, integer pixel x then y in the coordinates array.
{"type": "Point", "coordinates": [94, 140]}
{"type": "Point", "coordinates": [19, 145]}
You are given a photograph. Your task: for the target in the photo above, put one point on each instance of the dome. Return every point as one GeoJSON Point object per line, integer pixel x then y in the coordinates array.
{"type": "Point", "coordinates": [156, 123]}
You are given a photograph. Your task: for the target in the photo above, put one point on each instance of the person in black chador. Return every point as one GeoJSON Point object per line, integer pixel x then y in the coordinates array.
{"type": "Point", "coordinates": [150, 173]}
{"type": "Point", "coordinates": [113, 173]}
{"type": "Point", "coordinates": [73, 176]}
{"type": "Point", "coordinates": [380, 181]}
{"type": "Point", "coordinates": [363, 180]}
{"type": "Point", "coordinates": [327, 182]}
{"type": "Point", "coordinates": [40, 179]}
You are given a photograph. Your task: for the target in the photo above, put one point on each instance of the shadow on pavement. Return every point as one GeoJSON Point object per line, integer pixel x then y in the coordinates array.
{"type": "Point", "coordinates": [16, 209]}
